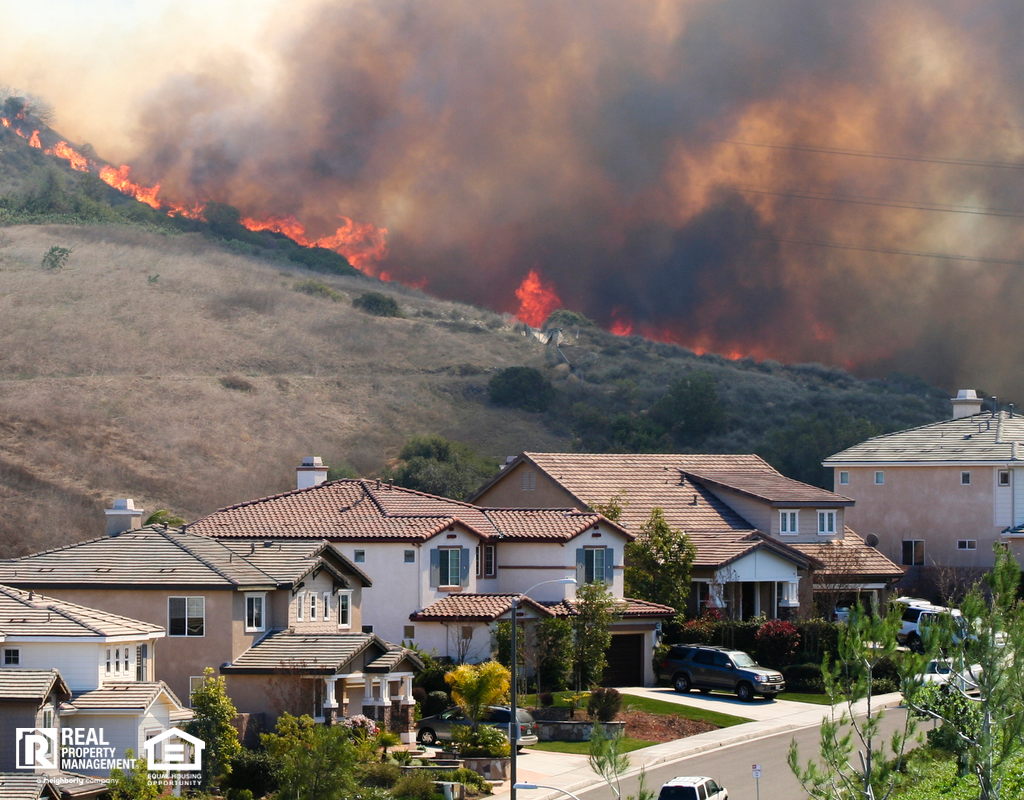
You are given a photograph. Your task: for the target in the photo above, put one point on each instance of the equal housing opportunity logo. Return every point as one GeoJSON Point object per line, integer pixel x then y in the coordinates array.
{"type": "Point", "coordinates": [88, 750]}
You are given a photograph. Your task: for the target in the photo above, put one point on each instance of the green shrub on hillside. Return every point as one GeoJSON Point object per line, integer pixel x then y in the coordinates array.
{"type": "Point", "coordinates": [438, 466]}
{"type": "Point", "coordinates": [380, 305]}
{"type": "Point", "coordinates": [564, 318]}
{"type": "Point", "coordinates": [318, 289]}
{"type": "Point", "coordinates": [521, 387]}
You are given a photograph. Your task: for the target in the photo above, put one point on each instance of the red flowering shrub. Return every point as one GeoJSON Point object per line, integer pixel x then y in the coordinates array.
{"type": "Point", "coordinates": [777, 643]}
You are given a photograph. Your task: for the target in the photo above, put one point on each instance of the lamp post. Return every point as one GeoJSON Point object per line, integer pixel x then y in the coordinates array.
{"type": "Point", "coordinates": [513, 724]}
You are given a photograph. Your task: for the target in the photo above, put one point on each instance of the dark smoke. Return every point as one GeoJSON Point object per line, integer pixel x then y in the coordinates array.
{"type": "Point", "coordinates": [588, 141]}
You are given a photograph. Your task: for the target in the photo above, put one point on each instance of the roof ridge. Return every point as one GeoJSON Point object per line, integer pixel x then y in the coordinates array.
{"type": "Point", "coordinates": [211, 566]}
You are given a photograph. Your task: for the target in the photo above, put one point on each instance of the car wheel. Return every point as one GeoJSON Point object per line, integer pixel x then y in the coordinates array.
{"type": "Point", "coordinates": [682, 683]}
{"type": "Point", "coordinates": [914, 643]}
{"type": "Point", "coordinates": [428, 737]}
{"type": "Point", "coordinates": [745, 692]}
{"type": "Point", "coordinates": [705, 691]}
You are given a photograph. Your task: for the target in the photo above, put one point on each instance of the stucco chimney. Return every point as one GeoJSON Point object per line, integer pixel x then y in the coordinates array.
{"type": "Point", "coordinates": [124, 516]}
{"type": "Point", "coordinates": [312, 472]}
{"type": "Point", "coordinates": [966, 403]}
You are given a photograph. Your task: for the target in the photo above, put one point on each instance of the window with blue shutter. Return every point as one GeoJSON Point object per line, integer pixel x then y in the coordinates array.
{"type": "Point", "coordinates": [449, 566]}
{"type": "Point", "coordinates": [594, 564]}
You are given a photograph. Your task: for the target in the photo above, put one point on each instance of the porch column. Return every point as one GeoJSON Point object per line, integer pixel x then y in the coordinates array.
{"type": "Point", "coordinates": [406, 722]}
{"type": "Point", "coordinates": [369, 703]}
{"type": "Point", "coordinates": [330, 702]}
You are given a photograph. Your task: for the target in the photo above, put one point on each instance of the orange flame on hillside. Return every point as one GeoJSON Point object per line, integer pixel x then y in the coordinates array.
{"type": "Point", "coordinates": [6, 122]}
{"type": "Point", "coordinates": [118, 178]}
{"type": "Point", "coordinates": [622, 325]}
{"type": "Point", "coordinates": [73, 157]}
{"type": "Point", "coordinates": [33, 140]}
{"type": "Point", "coordinates": [536, 300]}
{"type": "Point", "coordinates": [362, 243]}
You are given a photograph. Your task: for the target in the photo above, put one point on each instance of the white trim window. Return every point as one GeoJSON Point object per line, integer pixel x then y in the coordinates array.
{"type": "Point", "coordinates": [186, 616]}
{"type": "Point", "coordinates": [312, 606]}
{"type": "Point", "coordinates": [844, 478]}
{"type": "Point", "coordinates": [826, 523]}
{"type": "Point", "coordinates": [108, 669]}
{"type": "Point", "coordinates": [449, 565]}
{"type": "Point", "coordinates": [12, 656]}
{"type": "Point", "coordinates": [125, 660]}
{"type": "Point", "coordinates": [327, 606]}
{"type": "Point", "coordinates": [1004, 477]}
{"type": "Point", "coordinates": [966, 544]}
{"type": "Point", "coordinates": [879, 478]}
{"type": "Point", "coordinates": [788, 595]}
{"type": "Point", "coordinates": [300, 607]}
{"type": "Point", "coordinates": [195, 682]}
{"type": "Point", "coordinates": [965, 478]}
{"type": "Point", "coordinates": [359, 556]}
{"type": "Point", "coordinates": [913, 553]}
{"type": "Point", "coordinates": [789, 522]}
{"type": "Point", "coordinates": [344, 609]}
{"type": "Point", "coordinates": [596, 564]}
{"type": "Point", "coordinates": [255, 612]}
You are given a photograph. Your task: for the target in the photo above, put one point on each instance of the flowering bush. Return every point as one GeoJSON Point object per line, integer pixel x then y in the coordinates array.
{"type": "Point", "coordinates": [361, 726]}
{"type": "Point", "coordinates": [702, 629]}
{"type": "Point", "coordinates": [777, 642]}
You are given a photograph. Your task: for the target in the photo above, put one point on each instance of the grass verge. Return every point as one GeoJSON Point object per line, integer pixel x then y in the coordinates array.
{"type": "Point", "coordinates": [631, 703]}
{"type": "Point", "coordinates": [806, 697]}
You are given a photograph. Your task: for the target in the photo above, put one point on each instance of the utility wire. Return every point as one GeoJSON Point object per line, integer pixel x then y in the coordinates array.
{"type": "Point", "coordinates": [892, 251]}
{"type": "Point", "coordinates": [962, 162]}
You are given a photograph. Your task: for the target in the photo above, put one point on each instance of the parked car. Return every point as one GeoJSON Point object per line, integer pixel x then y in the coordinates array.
{"type": "Point", "coordinates": [917, 615]}
{"type": "Point", "coordinates": [692, 788]}
{"type": "Point", "coordinates": [704, 667]}
{"type": "Point", "coordinates": [943, 670]}
{"type": "Point", "coordinates": [438, 728]}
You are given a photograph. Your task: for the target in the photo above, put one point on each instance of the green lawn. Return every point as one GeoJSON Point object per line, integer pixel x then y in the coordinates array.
{"type": "Point", "coordinates": [806, 697]}
{"type": "Point", "coordinates": [630, 703]}
{"type": "Point", "coordinates": [583, 748]}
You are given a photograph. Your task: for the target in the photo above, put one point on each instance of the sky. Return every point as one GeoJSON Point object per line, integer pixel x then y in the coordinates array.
{"type": "Point", "coordinates": [800, 180]}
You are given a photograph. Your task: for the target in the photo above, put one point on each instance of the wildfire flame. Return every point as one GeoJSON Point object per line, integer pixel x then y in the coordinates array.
{"type": "Point", "coordinates": [118, 178]}
{"type": "Point", "coordinates": [74, 158]}
{"type": "Point", "coordinates": [6, 122]}
{"type": "Point", "coordinates": [362, 243]}
{"type": "Point", "coordinates": [622, 325]}
{"type": "Point", "coordinates": [536, 300]}
{"type": "Point", "coordinates": [33, 140]}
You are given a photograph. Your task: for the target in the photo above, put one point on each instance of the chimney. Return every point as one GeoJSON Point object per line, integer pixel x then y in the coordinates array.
{"type": "Point", "coordinates": [312, 472]}
{"type": "Point", "coordinates": [124, 516]}
{"type": "Point", "coordinates": [966, 403]}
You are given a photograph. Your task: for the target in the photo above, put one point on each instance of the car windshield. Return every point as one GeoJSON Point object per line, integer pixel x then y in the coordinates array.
{"type": "Point", "coordinates": [742, 660]}
{"type": "Point", "coordinates": [678, 793]}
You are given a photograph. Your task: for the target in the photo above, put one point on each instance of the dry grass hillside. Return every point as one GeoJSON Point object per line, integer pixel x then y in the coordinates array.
{"type": "Point", "coordinates": [169, 369]}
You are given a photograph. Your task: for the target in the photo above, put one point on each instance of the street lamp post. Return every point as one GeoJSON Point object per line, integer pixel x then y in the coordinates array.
{"type": "Point", "coordinates": [513, 724]}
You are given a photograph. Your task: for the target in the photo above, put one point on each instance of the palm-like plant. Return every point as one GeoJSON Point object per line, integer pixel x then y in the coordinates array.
{"type": "Point", "coordinates": [476, 686]}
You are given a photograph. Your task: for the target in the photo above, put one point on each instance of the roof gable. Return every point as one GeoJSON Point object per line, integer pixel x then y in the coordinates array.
{"type": "Point", "coordinates": [27, 614]}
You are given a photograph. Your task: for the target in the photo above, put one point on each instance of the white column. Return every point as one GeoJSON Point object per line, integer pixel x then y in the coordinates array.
{"type": "Point", "coordinates": [385, 691]}
{"type": "Point", "coordinates": [407, 698]}
{"type": "Point", "coordinates": [329, 698]}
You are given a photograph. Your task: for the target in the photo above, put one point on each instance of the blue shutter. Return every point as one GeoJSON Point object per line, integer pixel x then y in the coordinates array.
{"type": "Point", "coordinates": [435, 567]}
{"type": "Point", "coordinates": [609, 564]}
{"type": "Point", "coordinates": [465, 567]}
{"type": "Point", "coordinates": [581, 566]}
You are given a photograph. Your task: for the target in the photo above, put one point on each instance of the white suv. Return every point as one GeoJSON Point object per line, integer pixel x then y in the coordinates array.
{"type": "Point", "coordinates": [917, 615]}
{"type": "Point", "coordinates": [692, 788]}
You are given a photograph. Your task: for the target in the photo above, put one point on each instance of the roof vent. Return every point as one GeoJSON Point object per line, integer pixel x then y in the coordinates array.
{"type": "Point", "coordinates": [966, 403]}
{"type": "Point", "coordinates": [312, 472]}
{"type": "Point", "coordinates": [124, 516]}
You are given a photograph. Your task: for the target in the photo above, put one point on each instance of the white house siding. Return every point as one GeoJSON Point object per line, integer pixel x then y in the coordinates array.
{"type": "Point", "coordinates": [79, 663]}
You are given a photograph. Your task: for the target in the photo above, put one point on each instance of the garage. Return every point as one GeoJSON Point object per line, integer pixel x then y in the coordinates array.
{"type": "Point", "coordinates": [625, 661]}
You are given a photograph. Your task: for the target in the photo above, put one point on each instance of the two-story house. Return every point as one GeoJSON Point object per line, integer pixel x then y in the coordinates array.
{"type": "Point", "coordinates": [939, 497]}
{"type": "Point", "coordinates": [85, 672]}
{"type": "Point", "coordinates": [419, 550]}
{"type": "Point", "coordinates": [763, 541]}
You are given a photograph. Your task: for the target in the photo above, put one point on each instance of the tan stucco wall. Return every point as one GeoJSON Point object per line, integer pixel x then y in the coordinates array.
{"type": "Point", "coordinates": [508, 492]}
{"type": "Point", "coordinates": [926, 503]}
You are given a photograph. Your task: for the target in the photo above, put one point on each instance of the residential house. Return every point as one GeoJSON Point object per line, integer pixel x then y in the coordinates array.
{"type": "Point", "coordinates": [81, 671]}
{"type": "Point", "coordinates": [225, 606]}
{"type": "Point", "coordinates": [419, 550]}
{"type": "Point", "coordinates": [939, 497]}
{"type": "Point", "coordinates": [764, 542]}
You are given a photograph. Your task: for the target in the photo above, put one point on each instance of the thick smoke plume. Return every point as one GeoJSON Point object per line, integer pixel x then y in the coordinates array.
{"type": "Point", "coordinates": [746, 178]}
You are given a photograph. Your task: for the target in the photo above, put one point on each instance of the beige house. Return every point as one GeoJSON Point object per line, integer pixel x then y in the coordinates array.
{"type": "Point", "coordinates": [764, 542]}
{"type": "Point", "coordinates": [939, 497]}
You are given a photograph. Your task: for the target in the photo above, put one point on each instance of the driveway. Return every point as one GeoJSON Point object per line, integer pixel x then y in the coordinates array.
{"type": "Point", "coordinates": [758, 709]}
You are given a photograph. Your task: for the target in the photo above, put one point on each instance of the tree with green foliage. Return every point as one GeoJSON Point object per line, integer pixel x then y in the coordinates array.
{"type": "Point", "coordinates": [316, 761]}
{"type": "Point", "coordinates": [164, 517]}
{"type": "Point", "coordinates": [438, 466]}
{"type": "Point", "coordinates": [213, 713]}
{"type": "Point", "coordinates": [983, 725]}
{"type": "Point", "coordinates": [476, 686]}
{"type": "Point", "coordinates": [865, 641]}
{"type": "Point", "coordinates": [658, 563]}
{"type": "Point", "coordinates": [691, 409]}
{"type": "Point", "coordinates": [521, 387]}
{"type": "Point", "coordinates": [133, 783]}
{"type": "Point", "coordinates": [798, 448]}
{"type": "Point", "coordinates": [56, 257]}
{"type": "Point", "coordinates": [380, 305]}
{"type": "Point", "coordinates": [594, 612]}
{"type": "Point", "coordinates": [553, 653]}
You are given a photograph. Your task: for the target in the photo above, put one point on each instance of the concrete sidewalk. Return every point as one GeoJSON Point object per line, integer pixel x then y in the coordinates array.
{"type": "Point", "coordinates": [572, 772]}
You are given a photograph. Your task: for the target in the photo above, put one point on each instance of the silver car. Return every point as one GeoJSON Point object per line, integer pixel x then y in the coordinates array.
{"type": "Point", "coordinates": [438, 728]}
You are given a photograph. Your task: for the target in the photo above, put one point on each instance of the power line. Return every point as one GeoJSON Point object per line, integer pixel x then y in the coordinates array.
{"type": "Point", "coordinates": [892, 251]}
{"type": "Point", "coordinates": [875, 201]}
{"type": "Point", "coordinates": [962, 162]}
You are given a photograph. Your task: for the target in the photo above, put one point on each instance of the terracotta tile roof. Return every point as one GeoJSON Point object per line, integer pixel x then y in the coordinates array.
{"type": "Point", "coordinates": [25, 613]}
{"type": "Point", "coordinates": [475, 607]}
{"type": "Point", "coordinates": [26, 786]}
{"type": "Point", "coordinates": [771, 487]}
{"type": "Point", "coordinates": [976, 438]}
{"type": "Point", "coordinates": [31, 684]}
{"type": "Point", "coordinates": [321, 654]}
{"type": "Point", "coordinates": [358, 510]}
{"type": "Point", "coordinates": [134, 695]}
{"type": "Point", "coordinates": [853, 555]}
{"type": "Point", "coordinates": [626, 608]}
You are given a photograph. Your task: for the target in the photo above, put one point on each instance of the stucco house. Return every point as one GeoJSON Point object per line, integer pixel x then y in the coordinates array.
{"type": "Point", "coordinates": [418, 550]}
{"type": "Point", "coordinates": [939, 497]}
{"type": "Point", "coordinates": [83, 672]}
{"type": "Point", "coordinates": [764, 542]}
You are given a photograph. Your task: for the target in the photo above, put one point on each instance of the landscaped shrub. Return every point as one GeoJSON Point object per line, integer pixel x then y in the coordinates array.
{"type": "Point", "coordinates": [604, 704]}
{"type": "Point", "coordinates": [777, 641]}
{"type": "Point", "coordinates": [803, 678]}
{"type": "Point", "coordinates": [546, 699]}
{"type": "Point", "coordinates": [251, 770]}
{"type": "Point", "coordinates": [473, 781]}
{"type": "Point", "coordinates": [380, 305]}
{"type": "Point", "coordinates": [378, 773]}
{"type": "Point", "coordinates": [416, 786]}
{"type": "Point", "coordinates": [521, 387]}
{"type": "Point", "coordinates": [435, 703]}
{"type": "Point", "coordinates": [487, 742]}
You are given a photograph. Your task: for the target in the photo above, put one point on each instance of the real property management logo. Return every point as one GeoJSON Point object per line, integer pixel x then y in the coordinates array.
{"type": "Point", "coordinates": [87, 750]}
